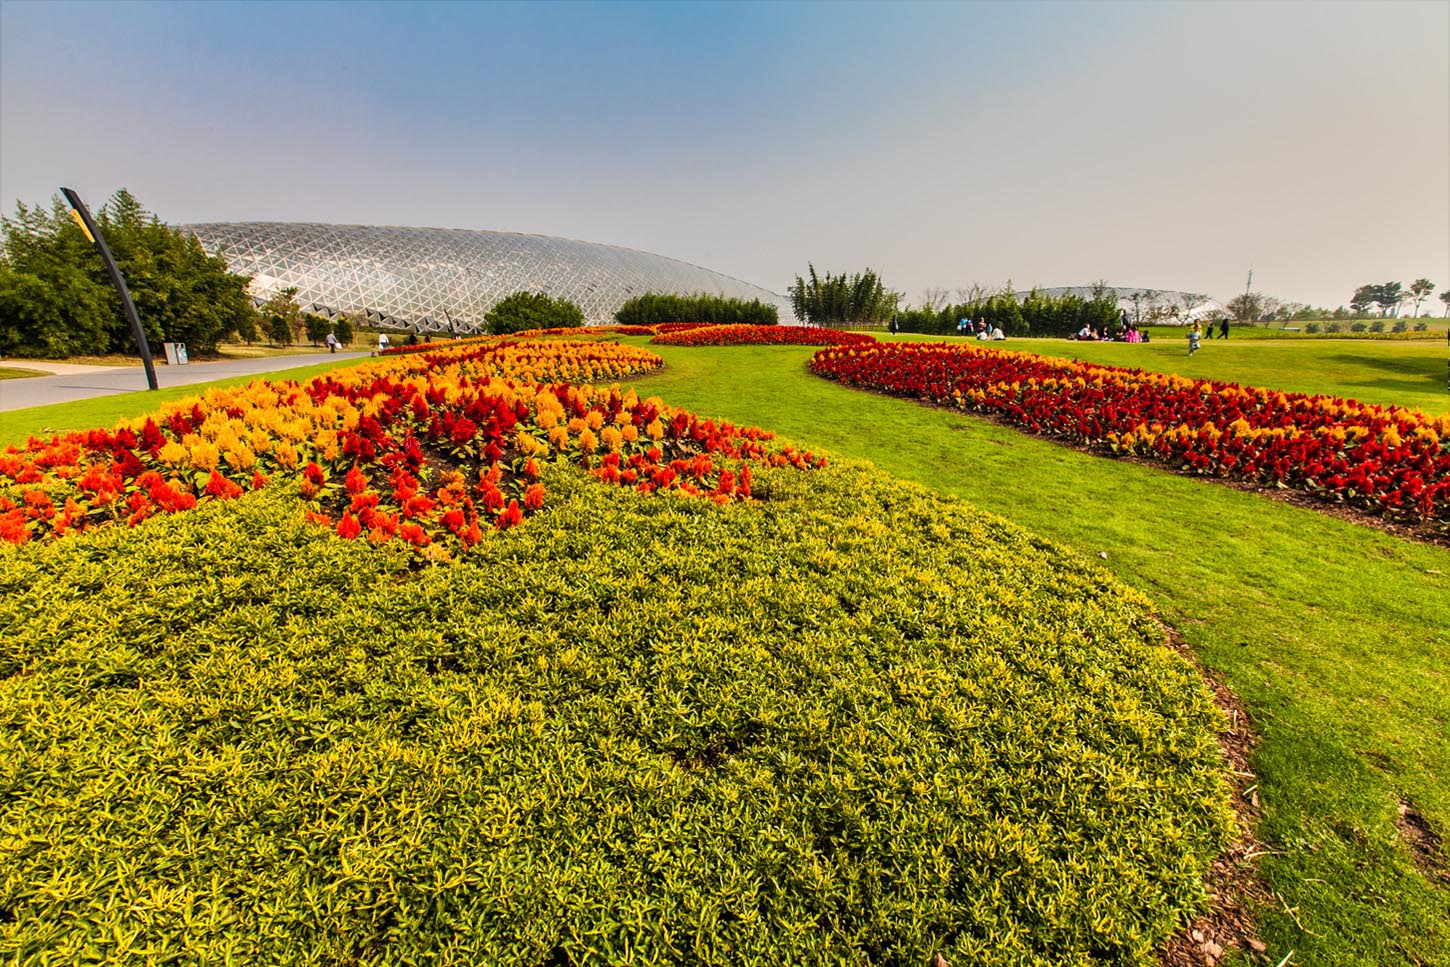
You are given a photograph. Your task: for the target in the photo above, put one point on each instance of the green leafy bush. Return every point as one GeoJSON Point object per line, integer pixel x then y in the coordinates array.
{"type": "Point", "coordinates": [1377, 326]}
{"type": "Point", "coordinates": [342, 329]}
{"type": "Point", "coordinates": [279, 331]}
{"type": "Point", "coordinates": [653, 308]}
{"type": "Point", "coordinates": [317, 328]}
{"type": "Point", "coordinates": [1313, 327]}
{"type": "Point", "coordinates": [57, 299]}
{"type": "Point", "coordinates": [1400, 326]}
{"type": "Point", "coordinates": [1361, 327]}
{"type": "Point", "coordinates": [854, 723]}
{"type": "Point", "coordinates": [532, 310]}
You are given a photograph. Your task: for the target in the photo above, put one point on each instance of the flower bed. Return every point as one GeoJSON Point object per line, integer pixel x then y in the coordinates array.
{"type": "Point", "coordinates": [762, 336]}
{"type": "Point", "coordinates": [432, 448]}
{"type": "Point", "coordinates": [1391, 461]}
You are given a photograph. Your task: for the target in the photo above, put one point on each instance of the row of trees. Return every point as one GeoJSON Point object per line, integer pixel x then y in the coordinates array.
{"type": "Point", "coordinates": [653, 308]}
{"type": "Point", "coordinates": [1035, 314]}
{"type": "Point", "coordinates": [56, 298]}
{"type": "Point", "coordinates": [1389, 296]}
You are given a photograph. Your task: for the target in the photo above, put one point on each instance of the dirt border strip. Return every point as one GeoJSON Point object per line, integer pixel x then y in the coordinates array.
{"type": "Point", "coordinates": [1233, 880]}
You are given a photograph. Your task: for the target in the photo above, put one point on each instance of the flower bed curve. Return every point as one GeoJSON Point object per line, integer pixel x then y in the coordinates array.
{"type": "Point", "coordinates": [432, 448]}
{"type": "Point", "coordinates": [738, 335]}
{"type": "Point", "coordinates": [1390, 461]}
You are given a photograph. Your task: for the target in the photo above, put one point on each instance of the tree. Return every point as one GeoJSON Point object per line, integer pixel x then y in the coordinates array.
{"type": "Point", "coordinates": [1245, 307]}
{"type": "Point", "coordinates": [279, 331]}
{"type": "Point", "coordinates": [281, 309]}
{"type": "Point", "coordinates": [56, 296]}
{"type": "Point", "coordinates": [1388, 296]}
{"type": "Point", "coordinates": [1363, 298]}
{"type": "Point", "coordinates": [1445, 298]}
{"type": "Point", "coordinates": [342, 329]}
{"type": "Point", "coordinates": [532, 310]}
{"type": "Point", "coordinates": [1420, 290]}
{"type": "Point", "coordinates": [317, 328]}
{"type": "Point", "coordinates": [840, 299]}
{"type": "Point", "coordinates": [934, 298]}
{"type": "Point", "coordinates": [1188, 302]}
{"type": "Point", "coordinates": [972, 293]}
{"type": "Point", "coordinates": [1289, 311]}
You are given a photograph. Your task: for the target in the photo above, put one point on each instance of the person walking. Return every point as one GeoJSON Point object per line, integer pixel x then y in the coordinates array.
{"type": "Point", "coordinates": [1193, 337]}
{"type": "Point", "coordinates": [1223, 328]}
{"type": "Point", "coordinates": [382, 342]}
{"type": "Point", "coordinates": [331, 341]}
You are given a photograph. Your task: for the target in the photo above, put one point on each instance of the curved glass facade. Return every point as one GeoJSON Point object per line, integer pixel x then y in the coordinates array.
{"type": "Point", "coordinates": [442, 280]}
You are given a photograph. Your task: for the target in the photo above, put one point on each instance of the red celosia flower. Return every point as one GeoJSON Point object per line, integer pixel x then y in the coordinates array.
{"type": "Point", "coordinates": [348, 527]}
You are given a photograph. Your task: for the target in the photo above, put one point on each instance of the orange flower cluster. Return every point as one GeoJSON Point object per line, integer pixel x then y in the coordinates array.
{"type": "Point", "coordinates": [431, 448]}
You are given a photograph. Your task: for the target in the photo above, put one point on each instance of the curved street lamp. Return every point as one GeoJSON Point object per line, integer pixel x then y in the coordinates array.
{"type": "Point", "coordinates": [82, 216]}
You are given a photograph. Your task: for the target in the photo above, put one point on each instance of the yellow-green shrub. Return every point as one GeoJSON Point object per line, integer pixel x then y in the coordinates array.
{"type": "Point", "coordinates": [855, 723]}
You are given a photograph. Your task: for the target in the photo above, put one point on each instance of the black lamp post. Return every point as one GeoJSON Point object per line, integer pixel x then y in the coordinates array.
{"type": "Point", "coordinates": [93, 233]}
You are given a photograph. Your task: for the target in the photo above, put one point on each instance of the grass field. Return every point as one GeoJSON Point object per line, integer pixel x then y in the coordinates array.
{"type": "Point", "coordinates": [1336, 636]}
{"type": "Point", "coordinates": [16, 372]}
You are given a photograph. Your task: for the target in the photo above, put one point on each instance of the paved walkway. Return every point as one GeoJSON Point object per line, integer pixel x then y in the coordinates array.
{"type": "Point", "coordinates": [85, 382]}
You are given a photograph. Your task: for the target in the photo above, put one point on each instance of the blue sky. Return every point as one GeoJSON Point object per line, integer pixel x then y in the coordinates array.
{"type": "Point", "coordinates": [1167, 144]}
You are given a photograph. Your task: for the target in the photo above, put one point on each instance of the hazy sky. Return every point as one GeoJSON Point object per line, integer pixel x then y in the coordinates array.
{"type": "Point", "coordinates": [1171, 145]}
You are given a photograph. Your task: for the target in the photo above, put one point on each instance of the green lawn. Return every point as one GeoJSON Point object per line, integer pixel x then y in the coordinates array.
{"type": "Point", "coordinates": [15, 372]}
{"type": "Point", "coordinates": [1336, 636]}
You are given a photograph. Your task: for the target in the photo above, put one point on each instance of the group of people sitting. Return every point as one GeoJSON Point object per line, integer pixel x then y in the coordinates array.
{"type": "Point", "coordinates": [979, 330]}
{"type": "Point", "coordinates": [1129, 332]}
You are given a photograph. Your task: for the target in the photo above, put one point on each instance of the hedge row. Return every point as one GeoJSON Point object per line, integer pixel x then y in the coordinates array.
{"type": "Point", "coordinates": [653, 308]}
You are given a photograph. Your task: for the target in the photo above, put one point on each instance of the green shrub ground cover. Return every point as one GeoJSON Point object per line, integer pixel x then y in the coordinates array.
{"type": "Point", "coordinates": [857, 723]}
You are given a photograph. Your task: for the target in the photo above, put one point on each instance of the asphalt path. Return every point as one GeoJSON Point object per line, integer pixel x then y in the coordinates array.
{"type": "Point", "coordinates": [87, 382]}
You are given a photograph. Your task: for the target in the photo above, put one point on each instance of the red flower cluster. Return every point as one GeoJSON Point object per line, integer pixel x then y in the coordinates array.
{"type": "Point", "coordinates": [1391, 461]}
{"type": "Point", "coordinates": [662, 327]}
{"type": "Point", "coordinates": [392, 450]}
{"type": "Point", "coordinates": [737, 335]}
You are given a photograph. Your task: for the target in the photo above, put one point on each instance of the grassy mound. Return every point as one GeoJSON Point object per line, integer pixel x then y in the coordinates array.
{"type": "Point", "coordinates": [854, 723]}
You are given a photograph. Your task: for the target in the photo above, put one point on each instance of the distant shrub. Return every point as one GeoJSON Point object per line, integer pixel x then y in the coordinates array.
{"type": "Point", "coordinates": [279, 331]}
{"type": "Point", "coordinates": [317, 328]}
{"type": "Point", "coordinates": [1359, 327]}
{"type": "Point", "coordinates": [1334, 327]}
{"type": "Point", "coordinates": [532, 310]}
{"type": "Point", "coordinates": [1378, 326]}
{"type": "Point", "coordinates": [1421, 326]}
{"type": "Point", "coordinates": [342, 329]}
{"type": "Point", "coordinates": [653, 308]}
{"type": "Point", "coordinates": [1399, 326]}
{"type": "Point", "coordinates": [1313, 327]}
